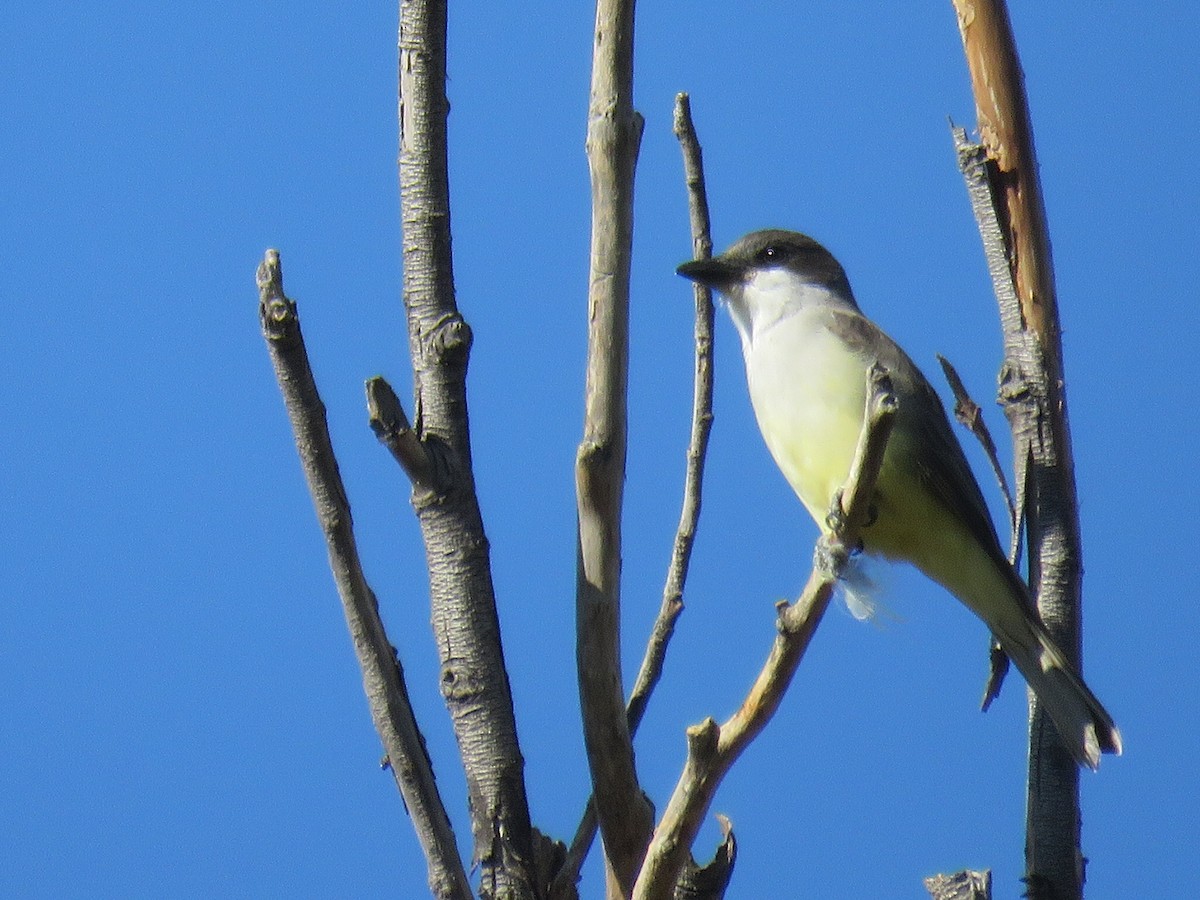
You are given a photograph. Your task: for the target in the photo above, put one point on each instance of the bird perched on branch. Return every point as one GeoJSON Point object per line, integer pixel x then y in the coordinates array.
{"type": "Point", "coordinates": [807, 348]}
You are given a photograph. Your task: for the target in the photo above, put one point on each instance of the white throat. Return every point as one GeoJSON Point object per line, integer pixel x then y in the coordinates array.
{"type": "Point", "coordinates": [769, 296]}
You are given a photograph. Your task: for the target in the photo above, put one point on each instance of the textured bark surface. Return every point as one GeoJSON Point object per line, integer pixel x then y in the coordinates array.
{"type": "Point", "coordinates": [963, 885]}
{"type": "Point", "coordinates": [474, 681]}
{"type": "Point", "coordinates": [1033, 393]}
{"type": "Point", "coordinates": [383, 678]}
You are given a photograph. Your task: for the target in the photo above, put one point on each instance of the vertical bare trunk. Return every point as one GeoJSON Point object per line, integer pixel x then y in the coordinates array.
{"type": "Point", "coordinates": [1034, 397]}
{"type": "Point", "coordinates": [614, 133]}
{"type": "Point", "coordinates": [473, 677]}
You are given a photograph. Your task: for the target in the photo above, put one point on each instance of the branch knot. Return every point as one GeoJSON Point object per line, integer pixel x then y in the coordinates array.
{"type": "Point", "coordinates": [449, 340]}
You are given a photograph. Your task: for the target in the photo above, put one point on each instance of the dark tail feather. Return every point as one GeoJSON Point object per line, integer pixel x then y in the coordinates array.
{"type": "Point", "coordinates": [1085, 726]}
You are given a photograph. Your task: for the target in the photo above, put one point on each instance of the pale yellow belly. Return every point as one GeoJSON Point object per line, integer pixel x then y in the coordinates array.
{"type": "Point", "coordinates": [808, 393]}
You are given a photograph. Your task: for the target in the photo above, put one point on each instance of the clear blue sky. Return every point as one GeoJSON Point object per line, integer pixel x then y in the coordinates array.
{"type": "Point", "coordinates": [182, 711]}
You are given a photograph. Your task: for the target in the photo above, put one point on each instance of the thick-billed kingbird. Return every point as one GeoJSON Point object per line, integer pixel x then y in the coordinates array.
{"type": "Point", "coordinates": [807, 349]}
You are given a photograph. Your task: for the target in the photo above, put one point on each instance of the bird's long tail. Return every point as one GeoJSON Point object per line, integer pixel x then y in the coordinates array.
{"type": "Point", "coordinates": [1085, 726]}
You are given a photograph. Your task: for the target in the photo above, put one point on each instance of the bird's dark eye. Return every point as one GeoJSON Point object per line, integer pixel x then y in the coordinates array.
{"type": "Point", "coordinates": [770, 255]}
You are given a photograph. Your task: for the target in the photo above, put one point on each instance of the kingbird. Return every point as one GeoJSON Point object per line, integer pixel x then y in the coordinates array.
{"type": "Point", "coordinates": [807, 348]}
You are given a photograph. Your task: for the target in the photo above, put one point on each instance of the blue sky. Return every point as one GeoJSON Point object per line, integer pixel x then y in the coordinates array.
{"type": "Point", "coordinates": [183, 712]}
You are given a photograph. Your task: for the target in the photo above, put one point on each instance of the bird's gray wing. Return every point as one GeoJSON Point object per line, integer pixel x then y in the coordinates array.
{"type": "Point", "coordinates": [936, 458]}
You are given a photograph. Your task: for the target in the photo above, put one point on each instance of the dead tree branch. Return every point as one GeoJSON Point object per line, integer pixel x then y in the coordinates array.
{"type": "Point", "coordinates": [383, 678]}
{"type": "Point", "coordinates": [970, 416]}
{"type": "Point", "coordinates": [702, 417]}
{"type": "Point", "coordinates": [613, 138]}
{"type": "Point", "coordinates": [1034, 397]}
{"type": "Point", "coordinates": [685, 535]}
{"type": "Point", "coordinates": [968, 413]}
{"type": "Point", "coordinates": [474, 680]}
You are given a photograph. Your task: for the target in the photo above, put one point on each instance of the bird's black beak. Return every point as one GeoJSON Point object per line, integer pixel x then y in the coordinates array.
{"type": "Point", "coordinates": [715, 272]}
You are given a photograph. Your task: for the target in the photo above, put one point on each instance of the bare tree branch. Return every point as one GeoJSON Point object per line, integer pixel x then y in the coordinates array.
{"type": "Point", "coordinates": [1034, 397]}
{"type": "Point", "coordinates": [383, 678]}
{"type": "Point", "coordinates": [968, 413]}
{"type": "Point", "coordinates": [702, 417]}
{"type": "Point", "coordinates": [614, 135]}
{"type": "Point", "coordinates": [970, 416]}
{"type": "Point", "coordinates": [973, 163]}
{"type": "Point", "coordinates": [390, 424]}
{"type": "Point", "coordinates": [474, 681]}
{"type": "Point", "coordinates": [685, 535]}
{"type": "Point", "coordinates": [713, 748]}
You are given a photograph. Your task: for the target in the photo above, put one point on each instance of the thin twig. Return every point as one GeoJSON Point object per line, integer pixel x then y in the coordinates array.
{"type": "Point", "coordinates": [383, 678]}
{"type": "Point", "coordinates": [702, 418]}
{"type": "Point", "coordinates": [390, 423]}
{"type": "Point", "coordinates": [713, 748]}
{"type": "Point", "coordinates": [968, 413]}
{"type": "Point", "coordinates": [970, 416]}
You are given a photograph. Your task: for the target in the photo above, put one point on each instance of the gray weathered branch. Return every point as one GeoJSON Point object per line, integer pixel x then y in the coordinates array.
{"type": "Point", "coordinates": [614, 134]}
{"type": "Point", "coordinates": [1034, 397]}
{"type": "Point", "coordinates": [685, 535]}
{"type": "Point", "coordinates": [474, 681]}
{"type": "Point", "coordinates": [702, 417]}
{"type": "Point", "coordinates": [970, 416]}
{"type": "Point", "coordinates": [383, 678]}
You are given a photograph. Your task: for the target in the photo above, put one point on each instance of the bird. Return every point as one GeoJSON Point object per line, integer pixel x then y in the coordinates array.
{"type": "Point", "coordinates": [807, 348]}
